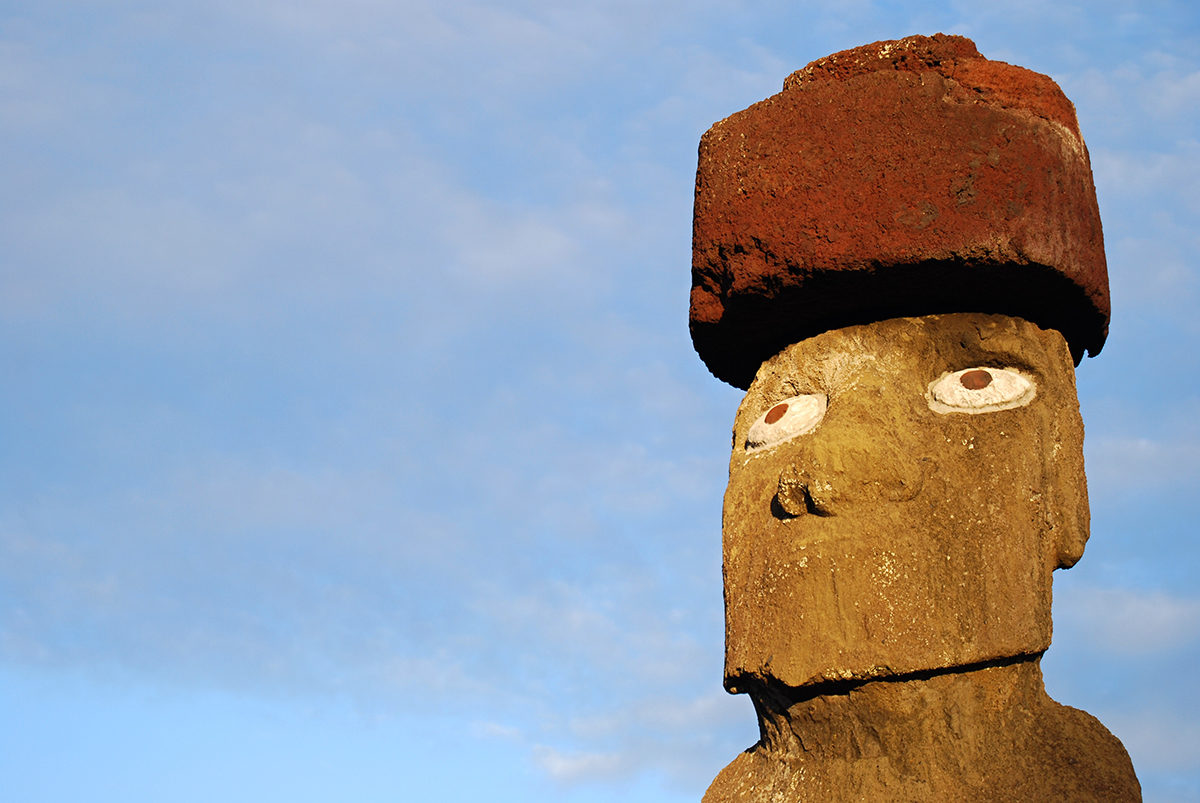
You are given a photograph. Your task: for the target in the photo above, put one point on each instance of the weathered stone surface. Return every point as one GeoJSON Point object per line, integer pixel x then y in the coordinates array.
{"type": "Point", "coordinates": [892, 537]}
{"type": "Point", "coordinates": [988, 734]}
{"type": "Point", "coordinates": [900, 178]}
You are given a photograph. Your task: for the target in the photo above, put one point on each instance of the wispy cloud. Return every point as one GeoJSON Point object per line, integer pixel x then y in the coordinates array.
{"type": "Point", "coordinates": [575, 767]}
{"type": "Point", "coordinates": [1129, 465]}
{"type": "Point", "coordinates": [686, 740]}
{"type": "Point", "coordinates": [1129, 622]}
{"type": "Point", "coordinates": [1160, 740]}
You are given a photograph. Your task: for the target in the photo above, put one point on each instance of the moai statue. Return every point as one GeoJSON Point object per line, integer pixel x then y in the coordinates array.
{"type": "Point", "coordinates": [899, 256]}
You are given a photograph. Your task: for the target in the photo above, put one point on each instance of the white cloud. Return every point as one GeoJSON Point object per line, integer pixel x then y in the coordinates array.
{"type": "Point", "coordinates": [576, 767]}
{"type": "Point", "coordinates": [37, 93]}
{"type": "Point", "coordinates": [491, 248]}
{"type": "Point", "coordinates": [1160, 740]}
{"type": "Point", "coordinates": [1129, 622]}
{"type": "Point", "coordinates": [1128, 464]}
{"type": "Point", "coordinates": [491, 52]}
{"type": "Point", "coordinates": [685, 740]}
{"type": "Point", "coordinates": [1168, 178]}
{"type": "Point", "coordinates": [496, 730]}
{"type": "Point", "coordinates": [1152, 274]}
{"type": "Point", "coordinates": [1148, 102]}
{"type": "Point", "coordinates": [1176, 94]}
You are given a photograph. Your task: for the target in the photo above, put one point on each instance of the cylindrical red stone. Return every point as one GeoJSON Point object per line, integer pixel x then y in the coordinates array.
{"type": "Point", "coordinates": [899, 178]}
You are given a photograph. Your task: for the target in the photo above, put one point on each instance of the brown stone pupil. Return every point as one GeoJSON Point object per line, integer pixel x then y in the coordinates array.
{"type": "Point", "coordinates": [975, 380]}
{"type": "Point", "coordinates": [776, 412]}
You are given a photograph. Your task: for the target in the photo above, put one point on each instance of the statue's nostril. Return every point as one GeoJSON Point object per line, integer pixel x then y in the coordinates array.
{"type": "Point", "coordinates": [794, 498]}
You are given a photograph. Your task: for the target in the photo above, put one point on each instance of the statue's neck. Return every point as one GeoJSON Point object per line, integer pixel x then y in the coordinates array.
{"type": "Point", "coordinates": [900, 716]}
{"type": "Point", "coordinates": [981, 733]}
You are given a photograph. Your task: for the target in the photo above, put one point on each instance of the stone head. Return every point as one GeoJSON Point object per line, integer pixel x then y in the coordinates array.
{"type": "Point", "coordinates": [899, 494]}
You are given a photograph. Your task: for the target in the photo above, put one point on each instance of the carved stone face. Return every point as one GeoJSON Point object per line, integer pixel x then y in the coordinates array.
{"type": "Point", "coordinates": [899, 494]}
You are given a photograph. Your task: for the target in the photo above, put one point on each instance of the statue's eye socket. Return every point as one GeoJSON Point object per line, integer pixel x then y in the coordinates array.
{"type": "Point", "coordinates": [786, 419]}
{"type": "Point", "coordinates": [980, 390]}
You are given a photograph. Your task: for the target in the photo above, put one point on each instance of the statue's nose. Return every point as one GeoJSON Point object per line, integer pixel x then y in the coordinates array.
{"type": "Point", "coordinates": [803, 490]}
{"type": "Point", "coordinates": [800, 495]}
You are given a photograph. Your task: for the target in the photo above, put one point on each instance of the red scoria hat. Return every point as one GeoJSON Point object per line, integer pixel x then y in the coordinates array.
{"type": "Point", "coordinates": [899, 178]}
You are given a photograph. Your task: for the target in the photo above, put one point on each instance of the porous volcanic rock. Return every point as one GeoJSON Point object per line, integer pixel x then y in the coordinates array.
{"type": "Point", "coordinates": [897, 179]}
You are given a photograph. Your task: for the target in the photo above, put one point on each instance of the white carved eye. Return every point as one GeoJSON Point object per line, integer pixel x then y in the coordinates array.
{"type": "Point", "coordinates": [980, 390]}
{"type": "Point", "coordinates": [786, 419]}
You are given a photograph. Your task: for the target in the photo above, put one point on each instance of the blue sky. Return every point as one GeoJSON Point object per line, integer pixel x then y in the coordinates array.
{"type": "Point", "coordinates": [353, 444]}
